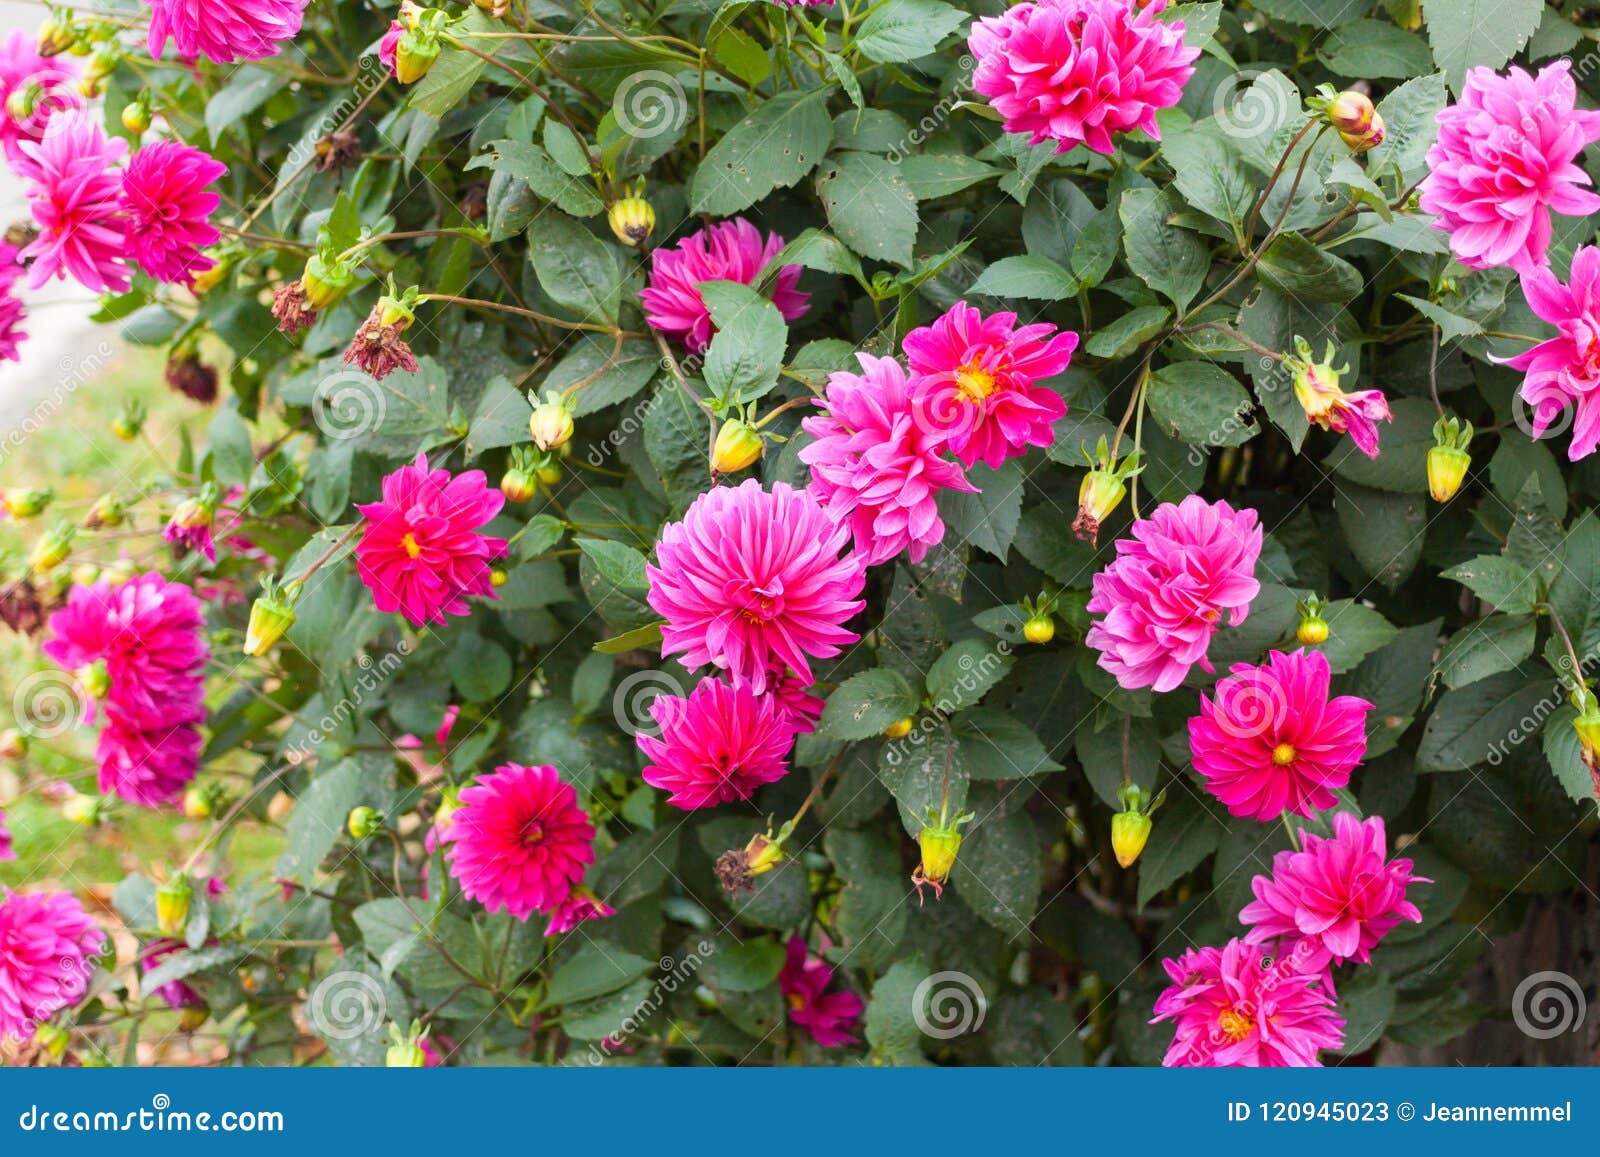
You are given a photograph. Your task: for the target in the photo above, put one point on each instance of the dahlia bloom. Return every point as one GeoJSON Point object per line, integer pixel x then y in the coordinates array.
{"type": "Point", "coordinates": [718, 745]}
{"type": "Point", "coordinates": [1316, 388]}
{"type": "Point", "coordinates": [1339, 896]}
{"type": "Point", "coordinates": [1236, 1008]}
{"type": "Point", "coordinates": [175, 993]}
{"type": "Point", "coordinates": [148, 766]}
{"type": "Point", "coordinates": [421, 552]}
{"type": "Point", "coordinates": [224, 30]}
{"type": "Point", "coordinates": [1565, 370]}
{"type": "Point", "coordinates": [1271, 740]}
{"type": "Point", "coordinates": [830, 1017]}
{"type": "Point", "coordinates": [168, 207]}
{"type": "Point", "coordinates": [1505, 156]}
{"type": "Point", "coordinates": [76, 199]}
{"type": "Point", "coordinates": [575, 909]}
{"type": "Point", "coordinates": [792, 697]}
{"type": "Point", "coordinates": [875, 467]}
{"type": "Point", "coordinates": [1079, 71]}
{"type": "Point", "coordinates": [12, 312]}
{"type": "Point", "coordinates": [751, 579]}
{"type": "Point", "coordinates": [984, 397]}
{"type": "Point", "coordinates": [52, 80]}
{"type": "Point", "coordinates": [7, 852]}
{"type": "Point", "coordinates": [726, 251]}
{"type": "Point", "coordinates": [519, 842]}
{"type": "Point", "coordinates": [1165, 593]}
{"type": "Point", "coordinates": [47, 943]}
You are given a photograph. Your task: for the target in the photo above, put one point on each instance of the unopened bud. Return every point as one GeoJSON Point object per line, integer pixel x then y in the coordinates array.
{"type": "Point", "coordinates": [1039, 628]}
{"type": "Point", "coordinates": [271, 616]}
{"type": "Point", "coordinates": [136, 117]}
{"type": "Point", "coordinates": [738, 445]}
{"type": "Point", "coordinates": [517, 485]}
{"type": "Point", "coordinates": [632, 219]}
{"type": "Point", "coordinates": [1313, 628]}
{"type": "Point", "coordinates": [1102, 489]}
{"type": "Point", "coordinates": [1130, 828]}
{"type": "Point", "coordinates": [498, 577]}
{"type": "Point", "coordinates": [53, 549]}
{"type": "Point", "coordinates": [1448, 459]}
{"type": "Point", "coordinates": [172, 906]}
{"type": "Point", "coordinates": [130, 421]}
{"type": "Point", "coordinates": [13, 744]}
{"type": "Point", "coordinates": [406, 1052]}
{"type": "Point", "coordinates": [899, 729]}
{"type": "Point", "coordinates": [94, 678]}
{"type": "Point", "coordinates": [28, 503]}
{"type": "Point", "coordinates": [550, 425]}
{"type": "Point", "coordinates": [107, 511]}
{"type": "Point", "coordinates": [81, 809]}
{"type": "Point", "coordinates": [414, 55]}
{"type": "Point", "coordinates": [56, 35]}
{"type": "Point", "coordinates": [939, 842]}
{"type": "Point", "coordinates": [197, 803]}
{"type": "Point", "coordinates": [1356, 120]}
{"type": "Point", "coordinates": [326, 279]}
{"type": "Point", "coordinates": [363, 822]}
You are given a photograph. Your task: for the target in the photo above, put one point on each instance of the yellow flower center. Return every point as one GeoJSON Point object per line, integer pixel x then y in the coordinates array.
{"type": "Point", "coordinates": [1235, 1025]}
{"type": "Point", "coordinates": [410, 543]}
{"type": "Point", "coordinates": [976, 382]}
{"type": "Point", "coordinates": [1283, 754]}
{"type": "Point", "coordinates": [796, 1001]}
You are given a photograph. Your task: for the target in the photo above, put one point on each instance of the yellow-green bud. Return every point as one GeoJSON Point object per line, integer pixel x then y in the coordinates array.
{"type": "Point", "coordinates": [1356, 120]}
{"type": "Point", "coordinates": [56, 35]}
{"type": "Point", "coordinates": [738, 445]}
{"type": "Point", "coordinates": [13, 744]}
{"type": "Point", "coordinates": [28, 503]}
{"type": "Point", "coordinates": [325, 281]}
{"type": "Point", "coordinates": [762, 854]}
{"type": "Point", "coordinates": [549, 473]}
{"type": "Point", "coordinates": [363, 822]}
{"type": "Point", "coordinates": [53, 549]}
{"type": "Point", "coordinates": [414, 55]}
{"type": "Point", "coordinates": [136, 117]}
{"type": "Point", "coordinates": [107, 511]}
{"type": "Point", "coordinates": [193, 1019]}
{"type": "Point", "coordinates": [271, 616]}
{"type": "Point", "coordinates": [406, 1052]}
{"type": "Point", "coordinates": [939, 844]}
{"type": "Point", "coordinates": [94, 678]}
{"type": "Point", "coordinates": [517, 485]}
{"type": "Point", "coordinates": [1040, 628]}
{"type": "Point", "coordinates": [197, 803]}
{"type": "Point", "coordinates": [1448, 459]}
{"type": "Point", "coordinates": [1102, 489]}
{"type": "Point", "coordinates": [83, 810]}
{"type": "Point", "coordinates": [1313, 628]}
{"type": "Point", "coordinates": [498, 577]}
{"type": "Point", "coordinates": [632, 219]}
{"type": "Point", "coordinates": [1130, 831]}
{"type": "Point", "coordinates": [172, 906]}
{"type": "Point", "coordinates": [899, 729]}
{"type": "Point", "coordinates": [103, 62]}
{"type": "Point", "coordinates": [130, 421]}
{"type": "Point", "coordinates": [550, 425]}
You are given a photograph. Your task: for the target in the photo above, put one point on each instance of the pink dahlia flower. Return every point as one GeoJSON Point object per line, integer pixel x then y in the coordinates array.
{"type": "Point", "coordinates": [148, 766]}
{"type": "Point", "coordinates": [389, 46]}
{"type": "Point", "coordinates": [580, 906]}
{"type": "Point", "coordinates": [1079, 71]}
{"type": "Point", "coordinates": [165, 194]}
{"type": "Point", "coordinates": [1565, 370]}
{"type": "Point", "coordinates": [51, 84]}
{"type": "Point", "coordinates": [1505, 156]}
{"type": "Point", "coordinates": [1165, 593]}
{"type": "Point", "coordinates": [791, 695]}
{"type": "Point", "coordinates": [751, 579]}
{"type": "Point", "coordinates": [76, 199]}
{"type": "Point", "coordinates": [12, 311]}
{"type": "Point", "coordinates": [875, 466]}
{"type": "Point", "coordinates": [718, 745]}
{"type": "Point", "coordinates": [983, 395]}
{"type": "Point", "coordinates": [421, 552]}
{"type": "Point", "coordinates": [47, 943]}
{"type": "Point", "coordinates": [726, 251]}
{"type": "Point", "coordinates": [830, 1017]}
{"type": "Point", "coordinates": [224, 30]}
{"type": "Point", "coordinates": [1271, 740]}
{"type": "Point", "coordinates": [1341, 896]}
{"type": "Point", "coordinates": [1235, 1008]}
{"type": "Point", "coordinates": [7, 852]}
{"type": "Point", "coordinates": [175, 993]}
{"type": "Point", "coordinates": [519, 842]}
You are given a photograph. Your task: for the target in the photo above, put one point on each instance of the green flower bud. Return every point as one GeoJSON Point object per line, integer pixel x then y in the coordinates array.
{"type": "Point", "coordinates": [172, 906]}
{"type": "Point", "coordinates": [738, 445]}
{"type": "Point", "coordinates": [363, 822]}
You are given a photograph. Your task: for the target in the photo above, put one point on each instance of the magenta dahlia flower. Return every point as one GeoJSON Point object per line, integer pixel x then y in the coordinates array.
{"type": "Point", "coordinates": [830, 1017]}
{"type": "Point", "coordinates": [1079, 71]}
{"type": "Point", "coordinates": [519, 842]}
{"type": "Point", "coordinates": [752, 579]}
{"type": "Point", "coordinates": [1504, 158]}
{"type": "Point", "coordinates": [718, 745]}
{"type": "Point", "coordinates": [148, 766]}
{"type": "Point", "coordinates": [175, 993]}
{"type": "Point", "coordinates": [1165, 593]}
{"type": "Point", "coordinates": [47, 945]}
{"type": "Point", "coordinates": [165, 194]}
{"type": "Point", "coordinates": [1340, 896]}
{"type": "Point", "coordinates": [7, 852]}
{"type": "Point", "coordinates": [224, 30]}
{"type": "Point", "coordinates": [50, 84]}
{"type": "Point", "coordinates": [983, 394]}
{"type": "Point", "coordinates": [1565, 370]}
{"type": "Point", "coordinates": [422, 552]}
{"type": "Point", "coordinates": [12, 311]}
{"type": "Point", "coordinates": [389, 46]}
{"type": "Point", "coordinates": [1235, 1008]}
{"type": "Point", "coordinates": [875, 466]}
{"type": "Point", "coordinates": [726, 251]}
{"type": "Point", "coordinates": [580, 906]}
{"type": "Point", "coordinates": [1271, 740]}
{"type": "Point", "coordinates": [791, 695]}
{"type": "Point", "coordinates": [76, 199]}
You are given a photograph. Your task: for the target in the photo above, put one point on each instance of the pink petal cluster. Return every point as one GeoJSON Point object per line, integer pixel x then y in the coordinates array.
{"type": "Point", "coordinates": [54, 79]}
{"type": "Point", "coordinates": [580, 906]}
{"type": "Point", "coordinates": [1235, 1007]}
{"type": "Point", "coordinates": [718, 745]}
{"type": "Point", "coordinates": [1271, 740]}
{"type": "Point", "coordinates": [389, 46]}
{"type": "Point", "coordinates": [47, 943]}
{"type": "Point", "coordinates": [875, 466]}
{"type": "Point", "coordinates": [176, 993]}
{"type": "Point", "coordinates": [791, 696]}
{"type": "Point", "coordinates": [1165, 593]}
{"type": "Point", "coordinates": [752, 580]}
{"type": "Point", "coordinates": [165, 195]}
{"type": "Point", "coordinates": [1340, 895]}
{"type": "Point", "coordinates": [1505, 157]}
{"type": "Point", "coordinates": [1080, 71]}
{"type": "Point", "coordinates": [147, 633]}
{"type": "Point", "coordinates": [76, 197]}
{"type": "Point", "coordinates": [726, 251]}
{"type": "Point", "coordinates": [421, 552]}
{"type": "Point", "coordinates": [519, 842]}
{"type": "Point", "coordinates": [1565, 370]}
{"type": "Point", "coordinates": [7, 852]}
{"type": "Point", "coordinates": [224, 30]}
{"type": "Point", "coordinates": [12, 311]}
{"type": "Point", "coordinates": [830, 1017]}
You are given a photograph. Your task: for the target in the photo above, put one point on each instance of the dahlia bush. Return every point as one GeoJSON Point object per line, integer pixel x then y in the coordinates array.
{"type": "Point", "coordinates": [734, 532]}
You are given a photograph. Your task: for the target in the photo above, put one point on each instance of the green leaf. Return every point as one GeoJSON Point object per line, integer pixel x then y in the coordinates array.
{"type": "Point", "coordinates": [613, 374]}
{"type": "Point", "coordinates": [772, 148]}
{"type": "Point", "coordinates": [500, 419]}
{"type": "Point", "coordinates": [901, 30]}
{"type": "Point", "coordinates": [1480, 722]}
{"type": "Point", "coordinates": [639, 639]}
{"type": "Point", "coordinates": [1000, 870]}
{"type": "Point", "coordinates": [964, 673]}
{"type": "Point", "coordinates": [1374, 49]}
{"type": "Point", "coordinates": [870, 206]}
{"type": "Point", "coordinates": [934, 175]}
{"type": "Point", "coordinates": [1170, 260]}
{"type": "Point", "coordinates": [1209, 174]}
{"type": "Point", "coordinates": [318, 820]}
{"type": "Point", "coordinates": [1467, 33]}
{"type": "Point", "coordinates": [872, 913]}
{"type": "Point", "coordinates": [593, 971]}
{"type": "Point", "coordinates": [1037, 278]}
{"type": "Point", "coordinates": [1295, 266]}
{"type": "Point", "coordinates": [1202, 404]}
{"type": "Point", "coordinates": [1402, 462]}
{"type": "Point", "coordinates": [1182, 835]}
{"type": "Point", "coordinates": [746, 355]}
{"type": "Point", "coordinates": [616, 561]}
{"type": "Point", "coordinates": [1354, 632]}
{"type": "Point", "coordinates": [526, 162]}
{"type": "Point", "coordinates": [1499, 581]}
{"type": "Point", "coordinates": [866, 703]}
{"type": "Point", "coordinates": [894, 1014]}
{"type": "Point", "coordinates": [988, 519]}
{"type": "Point", "coordinates": [1127, 332]}
{"type": "Point", "coordinates": [1486, 647]}
{"type": "Point", "coordinates": [575, 268]}
{"type": "Point", "coordinates": [1410, 124]}
{"type": "Point", "coordinates": [1384, 531]}
{"type": "Point", "coordinates": [1565, 753]}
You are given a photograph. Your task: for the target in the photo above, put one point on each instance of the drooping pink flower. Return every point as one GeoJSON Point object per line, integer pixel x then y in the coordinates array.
{"type": "Point", "coordinates": [875, 466]}
{"type": "Point", "coordinates": [519, 842]}
{"type": "Point", "coordinates": [165, 193]}
{"type": "Point", "coordinates": [389, 46]}
{"type": "Point", "coordinates": [7, 852]}
{"type": "Point", "coordinates": [1271, 740]}
{"type": "Point", "coordinates": [1165, 593]}
{"type": "Point", "coordinates": [1080, 71]}
{"type": "Point", "coordinates": [580, 906]}
{"type": "Point", "coordinates": [830, 1017]}
{"type": "Point", "coordinates": [47, 944]}
{"type": "Point", "coordinates": [224, 30]}
{"type": "Point", "coordinates": [75, 194]}
{"type": "Point", "coordinates": [792, 696]}
{"type": "Point", "coordinates": [148, 766]}
{"type": "Point", "coordinates": [12, 311]}
{"type": "Point", "coordinates": [51, 85]}
{"type": "Point", "coordinates": [718, 745]}
{"type": "Point", "coordinates": [983, 394]}
{"type": "Point", "coordinates": [441, 735]}
{"type": "Point", "coordinates": [751, 579]}
{"type": "Point", "coordinates": [421, 552]}
{"type": "Point", "coordinates": [1234, 1007]}
{"type": "Point", "coordinates": [1340, 896]}
{"type": "Point", "coordinates": [725, 251]}
{"type": "Point", "coordinates": [1504, 158]}
{"type": "Point", "coordinates": [1565, 370]}
{"type": "Point", "coordinates": [175, 993]}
